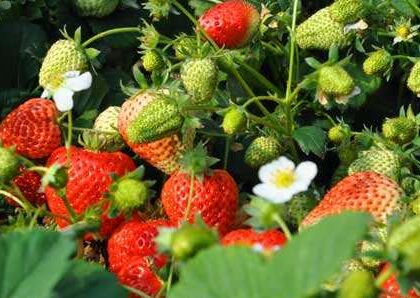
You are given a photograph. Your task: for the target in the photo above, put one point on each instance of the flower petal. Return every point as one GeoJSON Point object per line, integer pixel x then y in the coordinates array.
{"type": "Point", "coordinates": [71, 74]}
{"type": "Point", "coordinates": [267, 171]}
{"type": "Point", "coordinates": [63, 99]}
{"type": "Point", "coordinates": [273, 194]}
{"type": "Point", "coordinates": [46, 94]}
{"type": "Point", "coordinates": [79, 83]}
{"type": "Point", "coordinates": [306, 171]}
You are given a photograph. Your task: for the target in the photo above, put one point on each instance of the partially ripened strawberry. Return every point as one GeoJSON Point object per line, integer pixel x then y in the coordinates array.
{"type": "Point", "coordinates": [29, 184]}
{"type": "Point", "coordinates": [364, 192]}
{"type": "Point", "coordinates": [214, 195]}
{"type": "Point", "coordinates": [32, 129]}
{"type": "Point", "coordinates": [232, 23]}
{"type": "Point", "coordinates": [88, 180]}
{"type": "Point", "coordinates": [137, 274]}
{"type": "Point", "coordinates": [135, 238]}
{"type": "Point", "coordinates": [267, 240]}
{"type": "Point", "coordinates": [163, 154]}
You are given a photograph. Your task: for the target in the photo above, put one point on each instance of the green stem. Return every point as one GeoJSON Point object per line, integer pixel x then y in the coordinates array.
{"type": "Point", "coordinates": [200, 108]}
{"type": "Point", "coordinates": [403, 57]}
{"type": "Point", "coordinates": [262, 121]}
{"type": "Point", "coordinates": [137, 292]}
{"type": "Point", "coordinates": [292, 50]}
{"type": "Point", "coordinates": [212, 134]}
{"type": "Point", "coordinates": [227, 149]}
{"type": "Point", "coordinates": [190, 197]}
{"type": "Point", "coordinates": [83, 129]}
{"type": "Point", "coordinates": [277, 218]}
{"type": "Point", "coordinates": [170, 277]}
{"type": "Point", "coordinates": [15, 199]}
{"type": "Point", "coordinates": [69, 208]}
{"type": "Point", "coordinates": [384, 276]}
{"type": "Point", "coordinates": [414, 7]}
{"type": "Point", "coordinates": [258, 98]}
{"type": "Point", "coordinates": [110, 32]}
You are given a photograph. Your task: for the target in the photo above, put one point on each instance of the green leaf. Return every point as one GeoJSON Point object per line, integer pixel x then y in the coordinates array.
{"type": "Point", "coordinates": [85, 280]}
{"type": "Point", "coordinates": [222, 272]}
{"type": "Point", "coordinates": [312, 62]}
{"type": "Point", "coordinates": [311, 139]}
{"type": "Point", "coordinates": [305, 263]}
{"type": "Point", "coordinates": [32, 262]}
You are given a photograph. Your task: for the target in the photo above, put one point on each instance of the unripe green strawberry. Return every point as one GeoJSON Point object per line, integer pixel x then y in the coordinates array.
{"type": "Point", "coordinates": [377, 160]}
{"type": "Point", "coordinates": [184, 47]}
{"type": "Point", "coordinates": [410, 185]}
{"type": "Point", "coordinates": [334, 283]}
{"type": "Point", "coordinates": [320, 31]}
{"type": "Point", "coordinates": [378, 62]}
{"type": "Point", "coordinates": [107, 122]}
{"type": "Point", "coordinates": [190, 239]}
{"type": "Point", "coordinates": [261, 151]}
{"type": "Point", "coordinates": [298, 208]}
{"type": "Point", "coordinates": [234, 121]}
{"type": "Point", "coordinates": [158, 119]}
{"type": "Point", "coordinates": [415, 205]}
{"type": "Point", "coordinates": [96, 8]}
{"type": "Point", "coordinates": [337, 134]}
{"type": "Point", "coordinates": [399, 130]}
{"type": "Point", "coordinates": [130, 194]}
{"type": "Point", "coordinates": [62, 57]}
{"type": "Point", "coordinates": [9, 165]}
{"type": "Point", "coordinates": [348, 154]}
{"type": "Point", "coordinates": [367, 248]}
{"type": "Point", "coordinates": [358, 284]}
{"type": "Point", "coordinates": [413, 82]}
{"type": "Point", "coordinates": [346, 11]}
{"type": "Point", "coordinates": [152, 60]}
{"type": "Point", "coordinates": [200, 78]}
{"type": "Point", "coordinates": [406, 240]}
{"type": "Point", "coordinates": [335, 81]}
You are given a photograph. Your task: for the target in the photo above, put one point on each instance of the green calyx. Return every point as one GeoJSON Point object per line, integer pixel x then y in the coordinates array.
{"type": "Point", "coordinates": [405, 239]}
{"type": "Point", "coordinates": [234, 121]}
{"type": "Point", "coordinates": [400, 130]}
{"type": "Point", "coordinates": [378, 160]}
{"type": "Point", "coordinates": [160, 118]}
{"type": "Point", "coordinates": [196, 162]}
{"type": "Point", "coordinates": [96, 8]}
{"type": "Point", "coordinates": [185, 47]}
{"type": "Point", "coordinates": [9, 165]}
{"type": "Point", "coordinates": [263, 213]}
{"type": "Point", "coordinates": [346, 11]}
{"type": "Point", "coordinates": [130, 192]}
{"type": "Point", "coordinates": [188, 240]}
{"type": "Point", "coordinates": [152, 60]}
{"type": "Point", "coordinates": [348, 153]}
{"type": "Point", "coordinates": [335, 81]}
{"type": "Point", "coordinates": [358, 284]}
{"type": "Point", "coordinates": [377, 63]}
{"type": "Point", "coordinates": [261, 151]}
{"type": "Point", "coordinates": [56, 176]}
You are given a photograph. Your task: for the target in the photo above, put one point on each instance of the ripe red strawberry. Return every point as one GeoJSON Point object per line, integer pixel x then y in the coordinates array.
{"type": "Point", "coordinates": [88, 180]}
{"type": "Point", "coordinates": [231, 24]}
{"type": "Point", "coordinates": [163, 154]}
{"type": "Point", "coordinates": [391, 289]}
{"type": "Point", "coordinates": [32, 128]}
{"type": "Point", "coordinates": [135, 238]}
{"type": "Point", "coordinates": [363, 191]}
{"type": "Point", "coordinates": [268, 240]}
{"type": "Point", "coordinates": [215, 198]}
{"type": "Point", "coordinates": [137, 274]}
{"type": "Point", "coordinates": [29, 184]}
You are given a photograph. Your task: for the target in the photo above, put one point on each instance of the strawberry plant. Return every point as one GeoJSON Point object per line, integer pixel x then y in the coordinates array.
{"type": "Point", "coordinates": [210, 148]}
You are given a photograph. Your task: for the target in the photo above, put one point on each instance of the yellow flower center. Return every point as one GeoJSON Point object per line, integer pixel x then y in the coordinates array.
{"type": "Point", "coordinates": [284, 178]}
{"type": "Point", "coordinates": [403, 31]}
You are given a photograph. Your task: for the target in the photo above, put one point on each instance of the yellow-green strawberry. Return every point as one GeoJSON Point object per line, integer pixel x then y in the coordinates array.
{"type": "Point", "coordinates": [184, 47]}
{"type": "Point", "coordinates": [200, 78]}
{"type": "Point", "coordinates": [378, 62]}
{"type": "Point", "coordinates": [335, 81]}
{"type": "Point", "coordinates": [107, 122]}
{"type": "Point", "coordinates": [415, 205]}
{"type": "Point", "coordinates": [338, 133]}
{"type": "Point", "coordinates": [234, 121]}
{"type": "Point", "coordinates": [413, 82]}
{"type": "Point", "coordinates": [298, 208]}
{"type": "Point", "coordinates": [261, 151]}
{"type": "Point", "coordinates": [164, 153]}
{"type": "Point", "coordinates": [346, 11]}
{"type": "Point", "coordinates": [96, 8]}
{"type": "Point", "coordinates": [377, 160]}
{"type": "Point", "coordinates": [152, 60]}
{"type": "Point", "coordinates": [400, 130]}
{"type": "Point", "coordinates": [358, 284]}
{"type": "Point", "coordinates": [9, 165]}
{"type": "Point", "coordinates": [158, 119]}
{"type": "Point", "coordinates": [320, 31]}
{"type": "Point", "coordinates": [65, 55]}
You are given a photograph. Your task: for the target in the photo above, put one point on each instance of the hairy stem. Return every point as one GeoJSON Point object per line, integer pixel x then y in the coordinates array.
{"type": "Point", "coordinates": [110, 32]}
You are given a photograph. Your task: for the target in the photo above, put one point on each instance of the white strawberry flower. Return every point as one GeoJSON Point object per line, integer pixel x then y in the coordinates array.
{"type": "Point", "coordinates": [281, 179]}
{"type": "Point", "coordinates": [73, 82]}
{"type": "Point", "coordinates": [358, 26]}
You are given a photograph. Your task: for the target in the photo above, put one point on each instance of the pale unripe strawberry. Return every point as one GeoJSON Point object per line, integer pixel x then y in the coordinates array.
{"type": "Point", "coordinates": [63, 56]}
{"type": "Point", "coordinates": [399, 130]}
{"type": "Point", "coordinates": [346, 11]}
{"type": "Point", "coordinates": [320, 31]}
{"type": "Point", "coordinates": [234, 121]}
{"type": "Point", "coordinates": [335, 81]}
{"type": "Point", "coordinates": [338, 133]}
{"type": "Point", "coordinates": [152, 60]}
{"type": "Point", "coordinates": [200, 78]}
{"type": "Point", "coordinates": [261, 151]}
{"type": "Point", "coordinates": [378, 62]}
{"type": "Point", "coordinates": [413, 82]}
{"type": "Point", "coordinates": [96, 8]}
{"type": "Point", "coordinates": [107, 122]}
